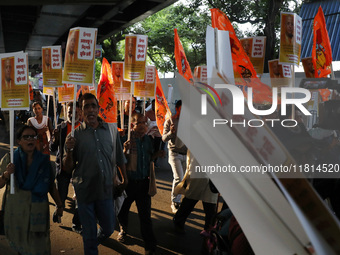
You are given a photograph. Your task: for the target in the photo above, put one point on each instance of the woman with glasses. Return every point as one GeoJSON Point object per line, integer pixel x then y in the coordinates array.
{"type": "Point", "coordinates": [43, 125]}
{"type": "Point", "coordinates": [26, 218]}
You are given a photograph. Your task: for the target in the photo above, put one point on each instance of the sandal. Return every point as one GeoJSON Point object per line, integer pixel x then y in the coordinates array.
{"type": "Point", "coordinates": [121, 236]}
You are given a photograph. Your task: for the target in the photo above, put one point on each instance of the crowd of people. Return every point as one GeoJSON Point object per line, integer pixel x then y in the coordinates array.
{"type": "Point", "coordinates": [93, 181]}
{"type": "Point", "coordinates": [122, 165]}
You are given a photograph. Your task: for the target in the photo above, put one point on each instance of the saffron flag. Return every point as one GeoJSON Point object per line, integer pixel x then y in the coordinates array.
{"type": "Point", "coordinates": [321, 51]}
{"type": "Point", "coordinates": [105, 94]}
{"type": "Point", "coordinates": [310, 73]}
{"type": "Point", "coordinates": [181, 60]}
{"type": "Point", "coordinates": [161, 106]}
{"type": "Point", "coordinates": [244, 72]}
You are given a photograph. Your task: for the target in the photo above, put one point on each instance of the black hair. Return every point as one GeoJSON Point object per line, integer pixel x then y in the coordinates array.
{"type": "Point", "coordinates": [37, 102]}
{"type": "Point", "coordinates": [88, 96]}
{"type": "Point", "coordinates": [178, 103]}
{"type": "Point", "coordinates": [23, 128]}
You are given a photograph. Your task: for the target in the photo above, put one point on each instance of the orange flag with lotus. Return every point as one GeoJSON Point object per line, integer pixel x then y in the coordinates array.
{"type": "Point", "coordinates": [181, 60]}
{"type": "Point", "coordinates": [161, 106]}
{"type": "Point", "coordinates": [321, 51]}
{"type": "Point", "coordinates": [244, 71]}
{"type": "Point", "coordinates": [105, 94]}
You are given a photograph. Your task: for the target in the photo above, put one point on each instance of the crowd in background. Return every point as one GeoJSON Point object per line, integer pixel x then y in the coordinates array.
{"type": "Point", "coordinates": [132, 159]}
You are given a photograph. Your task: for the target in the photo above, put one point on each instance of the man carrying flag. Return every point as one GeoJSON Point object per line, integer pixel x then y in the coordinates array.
{"type": "Point", "coordinates": [177, 154]}
{"type": "Point", "coordinates": [167, 126]}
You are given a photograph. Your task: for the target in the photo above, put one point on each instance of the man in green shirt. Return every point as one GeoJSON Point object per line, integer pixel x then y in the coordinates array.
{"type": "Point", "coordinates": [94, 152]}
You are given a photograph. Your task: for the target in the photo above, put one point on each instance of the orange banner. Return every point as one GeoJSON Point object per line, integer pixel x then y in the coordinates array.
{"type": "Point", "coordinates": [14, 82]}
{"type": "Point", "coordinates": [321, 51]}
{"type": "Point", "coordinates": [105, 94]}
{"type": "Point", "coordinates": [79, 56]}
{"type": "Point", "coordinates": [308, 67]}
{"type": "Point", "coordinates": [181, 60]}
{"type": "Point", "coordinates": [135, 57]}
{"type": "Point", "coordinates": [244, 72]}
{"type": "Point", "coordinates": [290, 39]}
{"type": "Point", "coordinates": [66, 93]}
{"type": "Point", "coordinates": [146, 88]}
{"type": "Point", "coordinates": [255, 48]}
{"type": "Point", "coordinates": [161, 106]}
{"type": "Point", "coordinates": [280, 75]}
{"type": "Point", "coordinates": [120, 87]}
{"type": "Point", "coordinates": [52, 66]}
{"type": "Point", "coordinates": [48, 91]}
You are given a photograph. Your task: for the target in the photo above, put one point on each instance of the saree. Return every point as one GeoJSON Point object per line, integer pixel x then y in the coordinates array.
{"type": "Point", "coordinates": [26, 220]}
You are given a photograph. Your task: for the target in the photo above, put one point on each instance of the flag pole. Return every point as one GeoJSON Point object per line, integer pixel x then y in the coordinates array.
{"type": "Point", "coordinates": [334, 92]}
{"type": "Point", "coordinates": [170, 88]}
{"type": "Point", "coordinates": [293, 95]}
{"type": "Point", "coordinates": [332, 72]}
{"type": "Point", "coordinates": [74, 108]}
{"type": "Point", "coordinates": [48, 105]}
{"type": "Point", "coordinates": [121, 106]}
{"type": "Point", "coordinates": [130, 109]}
{"type": "Point", "coordinates": [11, 142]}
{"type": "Point", "coordinates": [121, 110]}
{"type": "Point", "coordinates": [216, 49]}
{"type": "Point", "coordinates": [55, 110]}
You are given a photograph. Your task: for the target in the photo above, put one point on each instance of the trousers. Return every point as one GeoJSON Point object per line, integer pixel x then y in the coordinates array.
{"type": "Point", "coordinates": [89, 213]}
{"type": "Point", "coordinates": [178, 165]}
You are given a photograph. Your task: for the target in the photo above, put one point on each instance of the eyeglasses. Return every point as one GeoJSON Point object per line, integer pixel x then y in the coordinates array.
{"type": "Point", "coordinates": [27, 137]}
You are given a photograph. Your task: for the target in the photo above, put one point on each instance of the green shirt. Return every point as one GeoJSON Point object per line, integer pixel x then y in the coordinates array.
{"type": "Point", "coordinates": [93, 174]}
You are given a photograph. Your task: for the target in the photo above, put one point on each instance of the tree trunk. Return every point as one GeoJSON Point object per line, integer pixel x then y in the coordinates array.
{"type": "Point", "coordinates": [269, 30]}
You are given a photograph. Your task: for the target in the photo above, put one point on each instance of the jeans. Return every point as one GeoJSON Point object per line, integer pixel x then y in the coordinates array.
{"type": "Point", "coordinates": [178, 165]}
{"type": "Point", "coordinates": [89, 213]}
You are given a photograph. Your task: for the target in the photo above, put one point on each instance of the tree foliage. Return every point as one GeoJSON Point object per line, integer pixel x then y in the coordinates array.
{"type": "Point", "coordinates": [191, 25]}
{"type": "Point", "coordinates": [263, 14]}
{"type": "Point", "coordinates": [191, 21]}
{"type": "Point", "coordinates": [111, 51]}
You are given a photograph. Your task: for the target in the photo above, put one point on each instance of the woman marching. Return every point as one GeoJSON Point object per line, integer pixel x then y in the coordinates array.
{"type": "Point", "coordinates": [26, 219]}
{"type": "Point", "coordinates": [43, 125]}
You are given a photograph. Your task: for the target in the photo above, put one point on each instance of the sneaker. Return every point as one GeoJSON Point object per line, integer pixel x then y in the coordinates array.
{"type": "Point", "coordinates": [121, 236]}
{"type": "Point", "coordinates": [77, 229]}
{"type": "Point", "coordinates": [175, 206]}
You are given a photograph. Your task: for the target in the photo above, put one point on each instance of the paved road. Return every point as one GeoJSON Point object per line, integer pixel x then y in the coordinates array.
{"type": "Point", "coordinates": [64, 241]}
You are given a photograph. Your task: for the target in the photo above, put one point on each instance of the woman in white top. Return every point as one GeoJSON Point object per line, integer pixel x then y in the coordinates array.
{"type": "Point", "coordinates": [43, 125]}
